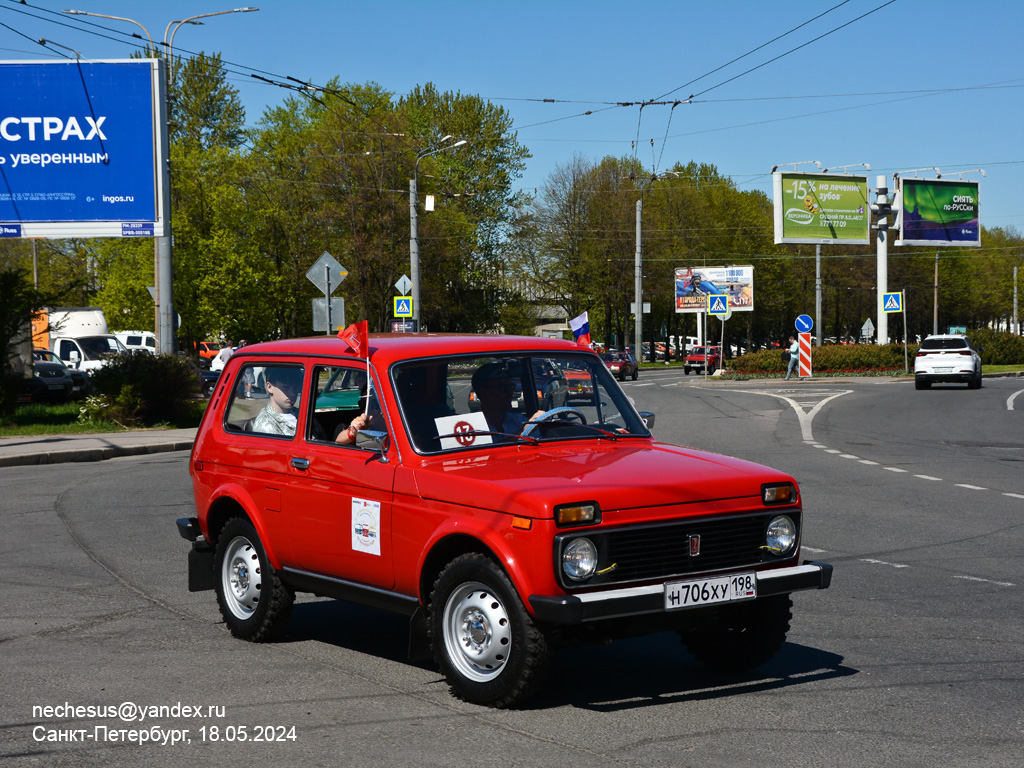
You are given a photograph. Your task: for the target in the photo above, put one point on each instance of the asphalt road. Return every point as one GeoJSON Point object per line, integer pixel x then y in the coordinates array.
{"type": "Point", "coordinates": [914, 657]}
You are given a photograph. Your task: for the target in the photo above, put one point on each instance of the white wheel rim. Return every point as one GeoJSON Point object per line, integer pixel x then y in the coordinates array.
{"type": "Point", "coordinates": [241, 577]}
{"type": "Point", "coordinates": [477, 632]}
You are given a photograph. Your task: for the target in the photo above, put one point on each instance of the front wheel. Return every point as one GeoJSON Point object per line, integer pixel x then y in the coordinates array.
{"type": "Point", "coordinates": [636, 374]}
{"type": "Point", "coordinates": [253, 601]}
{"type": "Point", "coordinates": [485, 643]}
{"type": "Point", "coordinates": [742, 636]}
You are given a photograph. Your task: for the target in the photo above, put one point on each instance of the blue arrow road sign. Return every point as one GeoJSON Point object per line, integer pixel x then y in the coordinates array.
{"type": "Point", "coordinates": [804, 323]}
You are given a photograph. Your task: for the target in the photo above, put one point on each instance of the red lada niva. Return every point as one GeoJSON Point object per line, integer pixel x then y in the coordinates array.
{"type": "Point", "coordinates": [503, 531]}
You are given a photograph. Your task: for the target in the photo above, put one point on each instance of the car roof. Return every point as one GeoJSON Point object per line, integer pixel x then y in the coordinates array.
{"type": "Point", "coordinates": [388, 348]}
{"type": "Point", "coordinates": [946, 336]}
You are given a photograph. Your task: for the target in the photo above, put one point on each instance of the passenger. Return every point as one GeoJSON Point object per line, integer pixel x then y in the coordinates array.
{"type": "Point", "coordinates": [280, 415]}
{"type": "Point", "coordinates": [423, 390]}
{"type": "Point", "coordinates": [493, 385]}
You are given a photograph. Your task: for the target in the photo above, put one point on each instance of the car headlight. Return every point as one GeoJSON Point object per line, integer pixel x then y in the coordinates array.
{"type": "Point", "coordinates": [579, 559]}
{"type": "Point", "coordinates": [780, 538]}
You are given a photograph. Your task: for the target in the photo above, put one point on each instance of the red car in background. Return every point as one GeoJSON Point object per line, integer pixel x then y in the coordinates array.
{"type": "Point", "coordinates": [700, 357]}
{"type": "Point", "coordinates": [621, 364]}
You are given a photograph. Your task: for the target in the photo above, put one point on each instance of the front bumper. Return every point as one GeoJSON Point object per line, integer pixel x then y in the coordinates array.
{"type": "Point", "coordinates": [635, 601]}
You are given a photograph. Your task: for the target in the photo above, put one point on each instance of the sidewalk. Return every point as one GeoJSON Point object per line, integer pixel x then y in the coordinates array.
{"type": "Point", "coordinates": [54, 449]}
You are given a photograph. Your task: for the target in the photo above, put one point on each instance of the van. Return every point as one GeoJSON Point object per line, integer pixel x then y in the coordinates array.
{"type": "Point", "coordinates": [137, 340]}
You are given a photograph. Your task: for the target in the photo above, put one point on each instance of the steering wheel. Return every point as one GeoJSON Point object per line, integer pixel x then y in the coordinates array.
{"type": "Point", "coordinates": [562, 412]}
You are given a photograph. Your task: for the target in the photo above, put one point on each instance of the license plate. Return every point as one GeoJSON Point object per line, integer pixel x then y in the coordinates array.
{"type": "Point", "coordinates": [943, 370]}
{"type": "Point", "coordinates": [720, 589]}
{"type": "Point", "coordinates": [55, 386]}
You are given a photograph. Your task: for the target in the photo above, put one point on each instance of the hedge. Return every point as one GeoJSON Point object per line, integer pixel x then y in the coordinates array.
{"type": "Point", "coordinates": [998, 348]}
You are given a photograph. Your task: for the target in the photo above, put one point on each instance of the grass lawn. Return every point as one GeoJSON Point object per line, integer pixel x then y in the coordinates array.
{"type": "Point", "coordinates": [62, 419]}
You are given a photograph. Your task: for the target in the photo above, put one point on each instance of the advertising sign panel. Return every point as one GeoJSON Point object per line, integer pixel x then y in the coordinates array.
{"type": "Point", "coordinates": [938, 212]}
{"type": "Point", "coordinates": [821, 208]}
{"type": "Point", "coordinates": [695, 284]}
{"type": "Point", "coordinates": [79, 149]}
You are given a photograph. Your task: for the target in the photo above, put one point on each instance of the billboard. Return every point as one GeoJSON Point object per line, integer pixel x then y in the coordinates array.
{"type": "Point", "coordinates": [695, 284]}
{"type": "Point", "coordinates": [821, 208]}
{"type": "Point", "coordinates": [80, 154]}
{"type": "Point", "coordinates": [938, 212]}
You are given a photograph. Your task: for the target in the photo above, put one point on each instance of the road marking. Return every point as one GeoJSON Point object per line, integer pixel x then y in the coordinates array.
{"type": "Point", "coordinates": [815, 551]}
{"type": "Point", "coordinates": [929, 477]}
{"type": "Point", "coordinates": [848, 456]}
{"type": "Point", "coordinates": [1009, 400]}
{"type": "Point", "coordinates": [869, 461]}
{"type": "Point", "coordinates": [832, 450]}
{"type": "Point", "coordinates": [883, 562]}
{"type": "Point", "coordinates": [971, 487]}
{"type": "Point", "coordinates": [987, 581]}
{"type": "Point", "coordinates": [895, 469]}
{"type": "Point", "coordinates": [805, 417]}
{"type": "Point", "coordinates": [1014, 495]}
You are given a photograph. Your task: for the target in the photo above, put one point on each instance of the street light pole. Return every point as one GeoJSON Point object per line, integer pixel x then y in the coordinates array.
{"type": "Point", "coordinates": [162, 246]}
{"type": "Point", "coordinates": [414, 241]}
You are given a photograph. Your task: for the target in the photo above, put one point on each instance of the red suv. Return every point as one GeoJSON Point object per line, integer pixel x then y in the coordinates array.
{"type": "Point", "coordinates": [700, 357]}
{"type": "Point", "coordinates": [504, 532]}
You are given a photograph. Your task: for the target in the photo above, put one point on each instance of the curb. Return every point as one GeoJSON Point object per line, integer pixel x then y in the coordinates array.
{"type": "Point", "coordinates": [93, 454]}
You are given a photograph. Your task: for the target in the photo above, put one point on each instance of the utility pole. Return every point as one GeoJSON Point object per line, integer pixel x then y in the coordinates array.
{"type": "Point", "coordinates": [817, 294]}
{"type": "Point", "coordinates": [935, 297]}
{"type": "Point", "coordinates": [638, 287]}
{"type": "Point", "coordinates": [882, 208]}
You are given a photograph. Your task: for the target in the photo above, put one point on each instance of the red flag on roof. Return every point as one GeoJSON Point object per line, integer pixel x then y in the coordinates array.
{"type": "Point", "coordinates": [357, 336]}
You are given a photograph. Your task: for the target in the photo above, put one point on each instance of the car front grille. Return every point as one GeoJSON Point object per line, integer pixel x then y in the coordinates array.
{"type": "Point", "coordinates": [650, 552]}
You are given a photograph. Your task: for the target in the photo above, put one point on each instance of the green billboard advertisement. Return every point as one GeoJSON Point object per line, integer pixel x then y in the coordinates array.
{"type": "Point", "coordinates": [821, 208]}
{"type": "Point", "coordinates": [938, 212]}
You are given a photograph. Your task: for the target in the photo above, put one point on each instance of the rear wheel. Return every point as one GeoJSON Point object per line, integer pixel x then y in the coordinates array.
{"type": "Point", "coordinates": [636, 374]}
{"type": "Point", "coordinates": [975, 383]}
{"type": "Point", "coordinates": [922, 384]}
{"type": "Point", "coordinates": [743, 636]}
{"type": "Point", "coordinates": [253, 601]}
{"type": "Point", "coordinates": [485, 643]}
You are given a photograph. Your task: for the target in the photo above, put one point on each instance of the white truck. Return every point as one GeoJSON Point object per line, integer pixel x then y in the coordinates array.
{"type": "Point", "coordinates": [77, 335]}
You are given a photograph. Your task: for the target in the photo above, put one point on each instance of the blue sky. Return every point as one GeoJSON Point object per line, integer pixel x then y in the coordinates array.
{"type": "Point", "coordinates": [911, 84]}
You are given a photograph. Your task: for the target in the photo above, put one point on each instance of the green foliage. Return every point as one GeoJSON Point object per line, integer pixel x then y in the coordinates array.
{"type": "Point", "coordinates": [142, 388]}
{"type": "Point", "coordinates": [998, 347]}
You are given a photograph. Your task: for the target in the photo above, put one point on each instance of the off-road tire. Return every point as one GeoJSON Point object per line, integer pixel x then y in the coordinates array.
{"type": "Point", "coordinates": [487, 646]}
{"type": "Point", "coordinates": [253, 601]}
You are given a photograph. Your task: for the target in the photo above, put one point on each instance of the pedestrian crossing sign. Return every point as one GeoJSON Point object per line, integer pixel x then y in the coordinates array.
{"type": "Point", "coordinates": [403, 306]}
{"type": "Point", "coordinates": [892, 302]}
{"type": "Point", "coordinates": [718, 305]}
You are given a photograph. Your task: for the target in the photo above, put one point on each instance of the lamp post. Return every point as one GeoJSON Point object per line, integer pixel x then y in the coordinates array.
{"type": "Point", "coordinates": [164, 274]}
{"type": "Point", "coordinates": [169, 45]}
{"type": "Point", "coordinates": [638, 276]}
{"type": "Point", "coordinates": [414, 242]}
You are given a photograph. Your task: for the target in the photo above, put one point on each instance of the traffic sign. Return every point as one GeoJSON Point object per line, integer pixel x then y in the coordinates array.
{"type": "Point", "coordinates": [403, 285]}
{"type": "Point", "coordinates": [403, 306]}
{"type": "Point", "coordinates": [804, 324]}
{"type": "Point", "coordinates": [327, 274]}
{"type": "Point", "coordinates": [892, 302]}
{"type": "Point", "coordinates": [718, 305]}
{"type": "Point", "coordinates": [867, 330]}
{"type": "Point", "coordinates": [320, 315]}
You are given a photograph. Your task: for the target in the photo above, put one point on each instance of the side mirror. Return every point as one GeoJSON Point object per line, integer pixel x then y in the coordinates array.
{"type": "Point", "coordinates": [373, 440]}
{"type": "Point", "coordinates": [74, 357]}
{"type": "Point", "coordinates": [648, 419]}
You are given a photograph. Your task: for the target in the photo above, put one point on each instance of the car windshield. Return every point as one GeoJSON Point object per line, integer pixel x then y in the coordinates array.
{"type": "Point", "coordinates": [956, 343]}
{"type": "Point", "coordinates": [97, 347]}
{"type": "Point", "coordinates": [45, 356]}
{"type": "Point", "coordinates": [466, 403]}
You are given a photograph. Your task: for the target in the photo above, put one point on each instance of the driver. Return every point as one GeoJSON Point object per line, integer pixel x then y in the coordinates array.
{"type": "Point", "coordinates": [494, 389]}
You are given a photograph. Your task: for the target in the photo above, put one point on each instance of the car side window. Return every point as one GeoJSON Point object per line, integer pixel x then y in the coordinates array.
{"type": "Point", "coordinates": [270, 409]}
{"type": "Point", "coordinates": [338, 394]}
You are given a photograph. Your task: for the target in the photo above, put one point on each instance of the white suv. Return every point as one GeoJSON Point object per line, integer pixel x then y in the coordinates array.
{"type": "Point", "coordinates": [947, 358]}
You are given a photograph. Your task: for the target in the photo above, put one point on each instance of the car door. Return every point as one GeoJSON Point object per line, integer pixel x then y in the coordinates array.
{"type": "Point", "coordinates": [341, 497]}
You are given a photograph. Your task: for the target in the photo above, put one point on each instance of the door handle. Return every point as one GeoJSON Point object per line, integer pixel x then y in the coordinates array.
{"type": "Point", "coordinates": [300, 464]}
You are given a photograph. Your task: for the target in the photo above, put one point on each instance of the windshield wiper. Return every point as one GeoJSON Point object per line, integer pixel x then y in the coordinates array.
{"type": "Point", "coordinates": [566, 422]}
{"type": "Point", "coordinates": [457, 435]}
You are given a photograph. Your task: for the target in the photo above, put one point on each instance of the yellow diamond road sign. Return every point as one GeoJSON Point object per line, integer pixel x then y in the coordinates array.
{"type": "Point", "coordinates": [403, 306]}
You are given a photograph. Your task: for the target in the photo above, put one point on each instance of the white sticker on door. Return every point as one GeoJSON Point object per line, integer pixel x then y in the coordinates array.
{"type": "Point", "coordinates": [366, 526]}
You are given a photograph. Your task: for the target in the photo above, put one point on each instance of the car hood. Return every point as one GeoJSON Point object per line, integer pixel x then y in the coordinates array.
{"type": "Point", "coordinates": [40, 366]}
{"type": "Point", "coordinates": [531, 480]}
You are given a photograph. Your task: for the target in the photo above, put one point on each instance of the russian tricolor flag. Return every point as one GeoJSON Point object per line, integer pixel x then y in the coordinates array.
{"type": "Point", "coordinates": [581, 329]}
